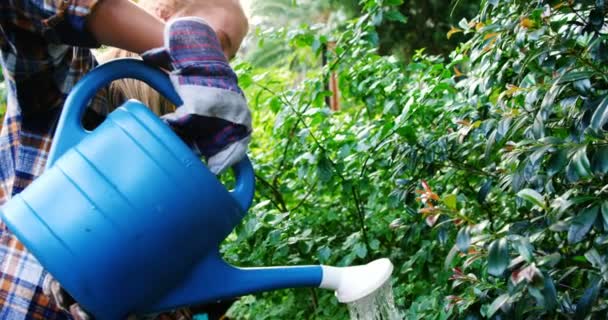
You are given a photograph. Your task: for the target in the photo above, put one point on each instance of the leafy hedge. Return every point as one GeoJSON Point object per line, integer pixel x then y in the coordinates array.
{"type": "Point", "coordinates": [482, 176]}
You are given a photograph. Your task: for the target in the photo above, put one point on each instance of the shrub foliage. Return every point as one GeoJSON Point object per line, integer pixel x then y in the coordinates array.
{"type": "Point", "coordinates": [482, 175]}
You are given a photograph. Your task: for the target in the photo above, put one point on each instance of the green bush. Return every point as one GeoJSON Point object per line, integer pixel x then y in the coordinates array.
{"type": "Point", "coordinates": [482, 176]}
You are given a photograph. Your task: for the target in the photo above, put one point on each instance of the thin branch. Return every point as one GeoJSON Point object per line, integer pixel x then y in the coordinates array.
{"type": "Point", "coordinates": [467, 167]}
{"type": "Point", "coordinates": [276, 193]}
{"type": "Point", "coordinates": [361, 215]}
{"type": "Point", "coordinates": [315, 300]}
{"type": "Point", "coordinates": [336, 171]}
{"type": "Point", "coordinates": [286, 102]}
{"type": "Point", "coordinates": [374, 149]}
{"type": "Point", "coordinates": [310, 190]}
{"type": "Point", "coordinates": [300, 120]}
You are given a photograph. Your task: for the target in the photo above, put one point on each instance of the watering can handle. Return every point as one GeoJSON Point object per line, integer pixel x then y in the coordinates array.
{"type": "Point", "coordinates": [70, 131]}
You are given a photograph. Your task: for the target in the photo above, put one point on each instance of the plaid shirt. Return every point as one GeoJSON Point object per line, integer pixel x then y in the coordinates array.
{"type": "Point", "coordinates": [44, 52]}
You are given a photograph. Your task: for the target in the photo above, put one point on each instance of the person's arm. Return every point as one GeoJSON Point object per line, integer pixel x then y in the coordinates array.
{"type": "Point", "coordinates": [123, 24]}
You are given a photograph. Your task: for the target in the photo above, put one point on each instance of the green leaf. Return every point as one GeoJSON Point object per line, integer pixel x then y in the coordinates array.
{"type": "Point", "coordinates": [559, 226]}
{"type": "Point", "coordinates": [596, 17]}
{"type": "Point", "coordinates": [557, 162]}
{"type": "Point", "coordinates": [533, 197]}
{"type": "Point", "coordinates": [374, 244]}
{"type": "Point", "coordinates": [575, 76]}
{"type": "Point", "coordinates": [251, 226]}
{"type": "Point", "coordinates": [324, 254]}
{"type": "Point", "coordinates": [245, 80]}
{"type": "Point", "coordinates": [584, 305]}
{"type": "Point", "coordinates": [583, 86]}
{"type": "Point", "coordinates": [599, 162]}
{"type": "Point", "coordinates": [549, 99]}
{"type": "Point", "coordinates": [498, 257]}
{"type": "Point", "coordinates": [537, 294]}
{"type": "Point", "coordinates": [550, 260]}
{"type": "Point", "coordinates": [605, 214]}
{"type": "Point", "coordinates": [395, 15]}
{"type": "Point", "coordinates": [549, 293]}
{"type": "Point", "coordinates": [581, 224]}
{"type": "Point", "coordinates": [360, 250]}
{"type": "Point", "coordinates": [594, 258]}
{"type": "Point", "coordinates": [490, 145]}
{"type": "Point", "coordinates": [538, 127]}
{"type": "Point", "coordinates": [463, 239]}
{"type": "Point", "coordinates": [580, 165]}
{"type": "Point", "coordinates": [275, 104]}
{"type": "Point", "coordinates": [484, 191]}
{"type": "Point", "coordinates": [451, 201]}
{"type": "Point", "coordinates": [525, 249]}
{"type": "Point", "coordinates": [600, 116]}
{"type": "Point", "coordinates": [539, 153]}
{"type": "Point", "coordinates": [450, 257]}
{"type": "Point", "coordinates": [324, 168]}
{"type": "Point", "coordinates": [497, 304]}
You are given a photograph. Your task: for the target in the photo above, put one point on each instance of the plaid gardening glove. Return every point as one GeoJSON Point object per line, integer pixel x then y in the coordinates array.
{"type": "Point", "coordinates": [214, 119]}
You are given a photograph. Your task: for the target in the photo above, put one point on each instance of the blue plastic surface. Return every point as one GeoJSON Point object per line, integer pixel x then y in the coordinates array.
{"type": "Point", "coordinates": [215, 280]}
{"type": "Point", "coordinates": [128, 219]}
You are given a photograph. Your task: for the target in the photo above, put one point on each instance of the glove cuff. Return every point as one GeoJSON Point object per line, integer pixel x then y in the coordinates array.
{"type": "Point", "coordinates": [158, 57]}
{"type": "Point", "coordinates": [211, 102]}
{"type": "Point", "coordinates": [229, 156]}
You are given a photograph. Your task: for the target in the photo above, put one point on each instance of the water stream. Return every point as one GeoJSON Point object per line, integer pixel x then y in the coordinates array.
{"type": "Point", "coordinates": [379, 305]}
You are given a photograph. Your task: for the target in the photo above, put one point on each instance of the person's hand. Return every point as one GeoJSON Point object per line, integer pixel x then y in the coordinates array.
{"type": "Point", "coordinates": [62, 299]}
{"type": "Point", "coordinates": [214, 118]}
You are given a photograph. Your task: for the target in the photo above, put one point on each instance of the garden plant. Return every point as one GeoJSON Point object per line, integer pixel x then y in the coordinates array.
{"type": "Point", "coordinates": [482, 173]}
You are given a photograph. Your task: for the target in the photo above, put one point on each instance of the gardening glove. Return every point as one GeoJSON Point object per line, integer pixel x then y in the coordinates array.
{"type": "Point", "coordinates": [214, 119]}
{"type": "Point", "coordinates": [62, 299]}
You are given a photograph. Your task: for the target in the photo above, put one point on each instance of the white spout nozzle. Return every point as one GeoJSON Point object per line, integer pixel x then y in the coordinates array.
{"type": "Point", "coordinates": [354, 283]}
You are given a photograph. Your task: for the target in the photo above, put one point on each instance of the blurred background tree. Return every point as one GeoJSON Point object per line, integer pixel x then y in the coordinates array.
{"type": "Point", "coordinates": [427, 25]}
{"type": "Point", "coordinates": [412, 26]}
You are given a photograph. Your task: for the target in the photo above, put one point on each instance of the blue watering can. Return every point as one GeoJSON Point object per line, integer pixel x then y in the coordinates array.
{"type": "Point", "coordinates": [129, 220]}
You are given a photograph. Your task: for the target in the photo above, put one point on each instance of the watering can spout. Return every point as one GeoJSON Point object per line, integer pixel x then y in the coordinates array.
{"type": "Point", "coordinates": [356, 282]}
{"type": "Point", "coordinates": [215, 280]}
